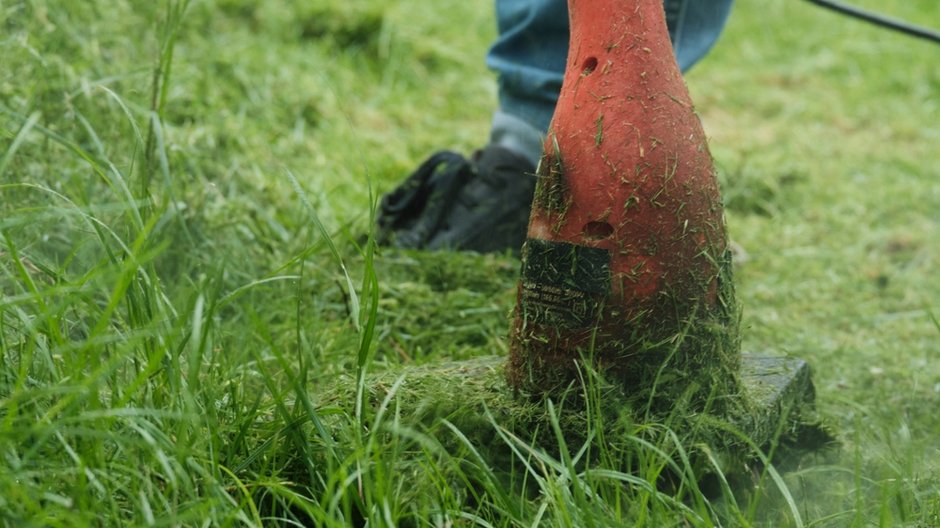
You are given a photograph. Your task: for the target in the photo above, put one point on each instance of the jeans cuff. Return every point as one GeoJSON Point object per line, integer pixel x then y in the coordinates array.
{"type": "Point", "coordinates": [517, 135]}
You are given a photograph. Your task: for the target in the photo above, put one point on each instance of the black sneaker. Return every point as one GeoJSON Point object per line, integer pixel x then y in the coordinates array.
{"type": "Point", "coordinates": [481, 204]}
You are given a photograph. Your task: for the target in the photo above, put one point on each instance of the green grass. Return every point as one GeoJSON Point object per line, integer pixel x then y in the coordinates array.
{"type": "Point", "coordinates": [185, 197]}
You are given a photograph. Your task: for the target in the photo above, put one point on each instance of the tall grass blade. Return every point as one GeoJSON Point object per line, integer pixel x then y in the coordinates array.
{"type": "Point", "coordinates": [312, 212]}
{"type": "Point", "coordinates": [17, 141]}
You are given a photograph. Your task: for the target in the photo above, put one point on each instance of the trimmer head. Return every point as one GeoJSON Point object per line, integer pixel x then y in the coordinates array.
{"type": "Point", "coordinates": [626, 271]}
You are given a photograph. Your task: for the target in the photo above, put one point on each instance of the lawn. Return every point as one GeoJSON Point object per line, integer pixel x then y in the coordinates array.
{"type": "Point", "coordinates": [194, 319]}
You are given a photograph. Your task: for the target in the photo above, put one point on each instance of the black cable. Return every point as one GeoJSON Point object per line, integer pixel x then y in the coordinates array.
{"type": "Point", "coordinates": [881, 20]}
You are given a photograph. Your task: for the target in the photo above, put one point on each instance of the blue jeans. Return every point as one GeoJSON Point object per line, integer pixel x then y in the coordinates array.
{"type": "Point", "coordinates": [530, 54]}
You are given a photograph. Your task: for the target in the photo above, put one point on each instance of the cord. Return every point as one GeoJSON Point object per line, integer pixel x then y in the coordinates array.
{"type": "Point", "coordinates": [880, 20]}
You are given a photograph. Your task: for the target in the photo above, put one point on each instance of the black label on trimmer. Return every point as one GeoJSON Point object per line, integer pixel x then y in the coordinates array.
{"type": "Point", "coordinates": [563, 284]}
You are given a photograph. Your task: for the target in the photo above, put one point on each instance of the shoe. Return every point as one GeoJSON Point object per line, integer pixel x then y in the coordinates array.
{"type": "Point", "coordinates": [479, 204]}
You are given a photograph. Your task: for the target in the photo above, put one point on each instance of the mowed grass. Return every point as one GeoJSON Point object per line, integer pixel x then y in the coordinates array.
{"type": "Point", "coordinates": [185, 269]}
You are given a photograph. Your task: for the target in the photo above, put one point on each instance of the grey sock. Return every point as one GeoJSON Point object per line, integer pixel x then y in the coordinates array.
{"type": "Point", "coordinates": [512, 133]}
